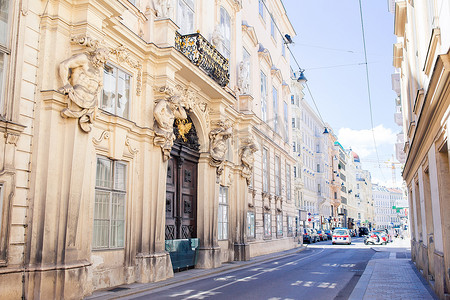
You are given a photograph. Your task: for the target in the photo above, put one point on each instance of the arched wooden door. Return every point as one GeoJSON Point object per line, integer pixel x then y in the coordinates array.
{"type": "Point", "coordinates": [181, 186]}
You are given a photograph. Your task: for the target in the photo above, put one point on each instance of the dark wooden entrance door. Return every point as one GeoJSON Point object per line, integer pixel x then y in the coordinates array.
{"type": "Point", "coordinates": [181, 194]}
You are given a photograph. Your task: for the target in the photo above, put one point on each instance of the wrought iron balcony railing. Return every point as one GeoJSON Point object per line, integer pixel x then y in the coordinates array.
{"type": "Point", "coordinates": [204, 55]}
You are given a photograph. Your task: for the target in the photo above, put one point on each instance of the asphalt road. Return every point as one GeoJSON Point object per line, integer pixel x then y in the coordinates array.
{"type": "Point", "coordinates": [322, 271]}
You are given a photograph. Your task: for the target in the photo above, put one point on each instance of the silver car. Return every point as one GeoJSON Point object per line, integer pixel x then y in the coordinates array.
{"type": "Point", "coordinates": [341, 236]}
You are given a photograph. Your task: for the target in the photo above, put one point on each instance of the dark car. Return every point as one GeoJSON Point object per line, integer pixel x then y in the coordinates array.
{"type": "Point", "coordinates": [308, 236]}
{"type": "Point", "coordinates": [363, 231]}
{"type": "Point", "coordinates": [329, 234]}
{"type": "Point", "coordinates": [322, 235]}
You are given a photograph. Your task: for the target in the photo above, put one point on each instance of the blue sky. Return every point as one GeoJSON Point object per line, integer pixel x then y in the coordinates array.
{"type": "Point", "coordinates": [329, 46]}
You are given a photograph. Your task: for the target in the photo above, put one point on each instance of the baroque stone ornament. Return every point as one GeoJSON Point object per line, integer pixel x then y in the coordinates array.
{"type": "Point", "coordinates": [166, 111]}
{"type": "Point", "coordinates": [82, 78]}
{"type": "Point", "coordinates": [243, 77]}
{"type": "Point", "coordinates": [218, 144]}
{"type": "Point", "coordinates": [164, 8]}
{"type": "Point", "coordinates": [247, 159]}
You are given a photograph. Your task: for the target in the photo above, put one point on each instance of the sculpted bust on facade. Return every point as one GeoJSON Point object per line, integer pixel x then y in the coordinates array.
{"type": "Point", "coordinates": [247, 159]}
{"type": "Point", "coordinates": [166, 111]}
{"type": "Point", "coordinates": [218, 144]}
{"type": "Point", "coordinates": [82, 78]}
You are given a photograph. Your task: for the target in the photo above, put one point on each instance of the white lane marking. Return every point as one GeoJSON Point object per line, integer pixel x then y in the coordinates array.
{"type": "Point", "coordinates": [205, 293]}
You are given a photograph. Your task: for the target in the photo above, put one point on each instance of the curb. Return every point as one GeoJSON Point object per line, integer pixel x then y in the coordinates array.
{"type": "Point", "coordinates": [105, 294]}
{"type": "Point", "coordinates": [363, 282]}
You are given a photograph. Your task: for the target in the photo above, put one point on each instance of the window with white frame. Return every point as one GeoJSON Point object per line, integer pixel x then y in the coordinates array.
{"type": "Point", "coordinates": [109, 206]}
{"type": "Point", "coordinates": [261, 9]}
{"type": "Point", "coordinates": [263, 97]}
{"type": "Point", "coordinates": [275, 109]}
{"type": "Point", "coordinates": [288, 182]}
{"type": "Point", "coordinates": [286, 124]}
{"type": "Point", "coordinates": [225, 30]}
{"type": "Point", "coordinates": [267, 224]}
{"type": "Point", "coordinates": [116, 91]}
{"type": "Point", "coordinates": [277, 176]}
{"type": "Point", "coordinates": [290, 225]}
{"type": "Point", "coordinates": [5, 51]}
{"type": "Point", "coordinates": [250, 224]}
{"type": "Point", "coordinates": [223, 213]}
{"type": "Point", "coordinates": [279, 225]}
{"type": "Point", "coordinates": [265, 170]}
{"type": "Point", "coordinates": [186, 16]}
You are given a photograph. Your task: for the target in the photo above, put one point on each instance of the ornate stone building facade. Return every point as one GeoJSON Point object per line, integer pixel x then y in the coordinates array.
{"type": "Point", "coordinates": [128, 124]}
{"type": "Point", "coordinates": [422, 55]}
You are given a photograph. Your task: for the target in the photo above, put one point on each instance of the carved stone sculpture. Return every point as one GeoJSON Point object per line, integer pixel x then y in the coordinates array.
{"type": "Point", "coordinates": [163, 8]}
{"type": "Point", "coordinates": [218, 144]}
{"type": "Point", "coordinates": [243, 77]}
{"type": "Point", "coordinates": [247, 159]}
{"type": "Point", "coordinates": [165, 113]}
{"type": "Point", "coordinates": [217, 38]}
{"type": "Point", "coordinates": [82, 78]}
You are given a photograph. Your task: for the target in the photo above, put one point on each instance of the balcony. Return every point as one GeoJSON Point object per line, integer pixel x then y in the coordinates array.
{"type": "Point", "coordinates": [204, 55]}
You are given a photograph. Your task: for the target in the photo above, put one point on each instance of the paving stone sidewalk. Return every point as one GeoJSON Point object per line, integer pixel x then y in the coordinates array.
{"type": "Point", "coordinates": [395, 277]}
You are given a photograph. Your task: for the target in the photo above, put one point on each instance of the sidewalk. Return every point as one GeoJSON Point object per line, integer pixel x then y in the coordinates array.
{"type": "Point", "coordinates": [135, 288]}
{"type": "Point", "coordinates": [390, 274]}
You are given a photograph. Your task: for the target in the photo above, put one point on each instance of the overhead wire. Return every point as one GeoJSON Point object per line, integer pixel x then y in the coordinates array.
{"type": "Point", "coordinates": [368, 89]}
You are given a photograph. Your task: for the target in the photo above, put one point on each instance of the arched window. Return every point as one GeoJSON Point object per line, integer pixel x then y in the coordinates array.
{"type": "Point", "coordinates": [225, 30]}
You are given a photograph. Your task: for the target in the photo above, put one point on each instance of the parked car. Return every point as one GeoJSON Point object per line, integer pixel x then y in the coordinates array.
{"type": "Point", "coordinates": [363, 231]}
{"type": "Point", "coordinates": [329, 234]}
{"type": "Point", "coordinates": [353, 232]}
{"type": "Point", "coordinates": [341, 236]}
{"type": "Point", "coordinates": [322, 235]}
{"type": "Point", "coordinates": [315, 235]}
{"type": "Point", "coordinates": [307, 236]}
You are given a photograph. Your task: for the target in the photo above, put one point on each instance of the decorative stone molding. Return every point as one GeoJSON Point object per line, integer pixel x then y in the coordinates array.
{"type": "Point", "coordinates": [218, 144]}
{"type": "Point", "coordinates": [163, 8]}
{"type": "Point", "coordinates": [12, 138]}
{"type": "Point", "coordinates": [82, 78]}
{"type": "Point", "coordinates": [250, 31]}
{"type": "Point", "coordinates": [247, 159]}
{"type": "Point", "coordinates": [166, 111]}
{"type": "Point", "coordinates": [131, 149]}
{"type": "Point", "coordinates": [243, 77]}
{"type": "Point", "coordinates": [104, 136]}
{"type": "Point", "coordinates": [123, 55]}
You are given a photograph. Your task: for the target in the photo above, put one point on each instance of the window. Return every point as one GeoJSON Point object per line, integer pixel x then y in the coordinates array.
{"type": "Point", "coordinates": [275, 109]}
{"type": "Point", "coordinates": [4, 48]}
{"type": "Point", "coordinates": [272, 28]}
{"type": "Point", "coordinates": [267, 224]}
{"type": "Point", "coordinates": [288, 182]}
{"type": "Point", "coordinates": [283, 50]}
{"type": "Point", "coordinates": [292, 99]}
{"type": "Point", "coordinates": [277, 176]}
{"type": "Point", "coordinates": [185, 16]}
{"type": "Point", "coordinates": [318, 188]}
{"type": "Point", "coordinates": [265, 170]}
{"type": "Point", "coordinates": [250, 224]}
{"type": "Point", "coordinates": [293, 123]}
{"type": "Point", "coordinates": [116, 91]}
{"type": "Point", "coordinates": [279, 225]}
{"type": "Point", "coordinates": [295, 171]}
{"type": "Point", "coordinates": [223, 213]}
{"type": "Point", "coordinates": [225, 30]}
{"type": "Point", "coordinates": [263, 97]}
{"type": "Point", "coordinates": [286, 124]}
{"type": "Point", "coordinates": [109, 207]}
{"type": "Point", "coordinates": [318, 168]}
{"type": "Point", "coordinates": [261, 9]}
{"type": "Point", "coordinates": [290, 224]}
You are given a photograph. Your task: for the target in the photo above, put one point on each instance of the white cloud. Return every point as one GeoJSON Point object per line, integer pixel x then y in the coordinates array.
{"type": "Point", "coordinates": [361, 141]}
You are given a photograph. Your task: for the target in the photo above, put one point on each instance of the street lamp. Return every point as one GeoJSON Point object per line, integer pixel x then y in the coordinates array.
{"type": "Point", "coordinates": [302, 79]}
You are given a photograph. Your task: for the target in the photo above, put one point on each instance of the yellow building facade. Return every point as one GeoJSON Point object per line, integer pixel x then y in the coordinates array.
{"type": "Point", "coordinates": [131, 124]}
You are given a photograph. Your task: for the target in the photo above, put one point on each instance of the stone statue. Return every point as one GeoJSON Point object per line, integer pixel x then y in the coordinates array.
{"type": "Point", "coordinates": [165, 113]}
{"type": "Point", "coordinates": [243, 77]}
{"type": "Point", "coordinates": [247, 159]}
{"type": "Point", "coordinates": [217, 38]}
{"type": "Point", "coordinates": [218, 144]}
{"type": "Point", "coordinates": [82, 78]}
{"type": "Point", "coordinates": [163, 8]}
